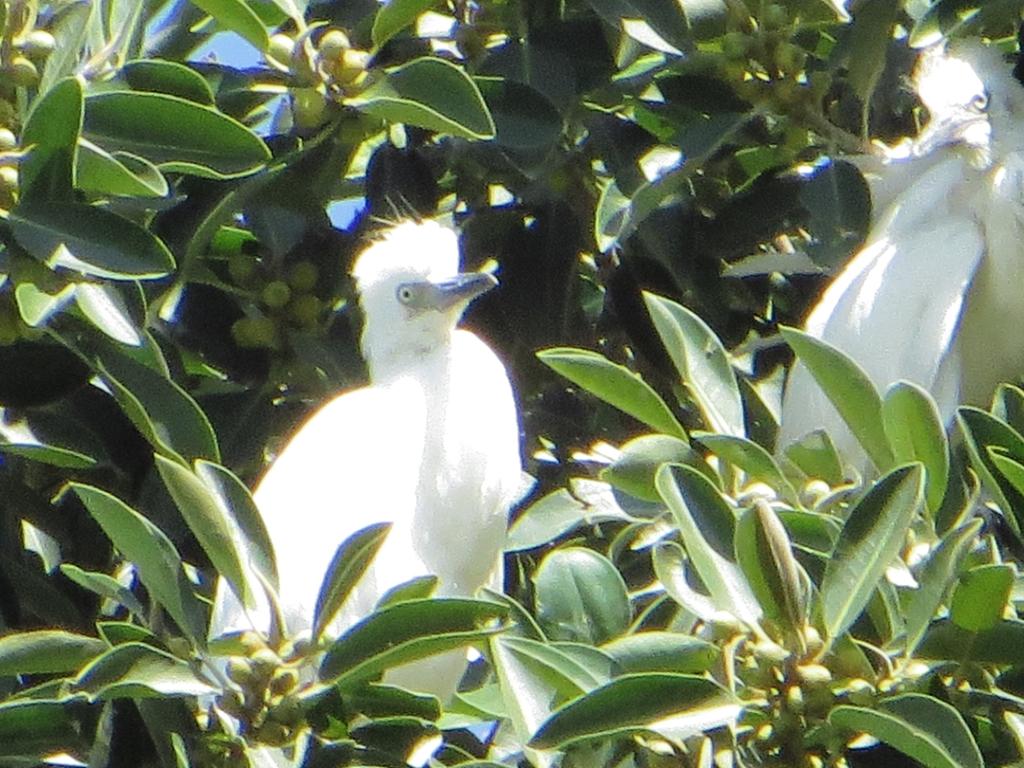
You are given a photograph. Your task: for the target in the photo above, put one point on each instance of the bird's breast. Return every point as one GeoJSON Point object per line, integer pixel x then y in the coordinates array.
{"type": "Point", "coordinates": [471, 466]}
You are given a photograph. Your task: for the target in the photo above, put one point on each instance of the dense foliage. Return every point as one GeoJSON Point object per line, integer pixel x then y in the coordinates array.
{"type": "Point", "coordinates": [663, 188]}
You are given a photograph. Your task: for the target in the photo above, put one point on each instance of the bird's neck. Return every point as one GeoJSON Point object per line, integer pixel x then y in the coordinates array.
{"type": "Point", "coordinates": [426, 361]}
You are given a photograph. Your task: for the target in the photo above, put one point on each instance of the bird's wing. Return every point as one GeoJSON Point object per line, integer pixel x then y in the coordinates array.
{"type": "Point", "coordinates": [353, 463]}
{"type": "Point", "coordinates": [896, 307]}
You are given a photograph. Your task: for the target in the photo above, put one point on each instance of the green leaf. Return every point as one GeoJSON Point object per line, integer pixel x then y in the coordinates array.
{"type": "Point", "coordinates": [174, 134]}
{"type": "Point", "coordinates": [561, 675]}
{"type": "Point", "coordinates": [51, 132]}
{"type": "Point", "coordinates": [46, 651]}
{"type": "Point", "coordinates": [614, 384]}
{"type": "Point", "coordinates": [137, 671]}
{"type": "Point", "coordinates": [983, 433]}
{"type": "Point", "coordinates": [981, 596]}
{"type": "Point", "coordinates": [580, 596]}
{"type": "Point", "coordinates": [1008, 405]}
{"type": "Point", "coordinates": [679, 705]}
{"type": "Point", "coordinates": [347, 567]}
{"type": "Point", "coordinates": [1001, 644]}
{"type": "Point", "coordinates": [811, 531]}
{"type": "Point", "coordinates": [121, 632]}
{"type": "Point", "coordinates": [755, 461]}
{"type": "Point", "coordinates": [1009, 470]}
{"type": "Point", "coordinates": [235, 15]}
{"type": "Point", "coordinates": [925, 729]}
{"type": "Point", "coordinates": [916, 433]}
{"type": "Point", "coordinates": [53, 455]}
{"type": "Point", "coordinates": [120, 174]}
{"type": "Point", "coordinates": [702, 362]}
{"type": "Point", "coordinates": [430, 93]}
{"type": "Point", "coordinates": [765, 554]}
{"type": "Point", "coordinates": [848, 388]}
{"type": "Point", "coordinates": [107, 310]}
{"type": "Point", "coordinates": [169, 77]}
{"type": "Point", "coordinates": [944, 19]}
{"type": "Point", "coordinates": [405, 632]}
{"type": "Point", "coordinates": [663, 27]}
{"type": "Point", "coordinates": [587, 502]}
{"type": "Point", "coordinates": [158, 562]}
{"type": "Point", "coordinates": [238, 504]}
{"type": "Point", "coordinates": [707, 526]}
{"type": "Point", "coordinates": [633, 471]}
{"type": "Point", "coordinates": [395, 16]}
{"type": "Point", "coordinates": [662, 652]}
{"type": "Point", "coordinates": [34, 729]}
{"type": "Point", "coordinates": [104, 586]}
{"type": "Point", "coordinates": [163, 412]}
{"type": "Point", "coordinates": [89, 240]}
{"type": "Point", "coordinates": [210, 522]}
{"type": "Point", "coordinates": [524, 119]}
{"type": "Point", "coordinates": [816, 456]}
{"type": "Point", "coordinates": [416, 588]}
{"type": "Point", "coordinates": [36, 306]}
{"type": "Point", "coordinates": [871, 538]}
{"type": "Point", "coordinates": [838, 201]}
{"type": "Point", "coordinates": [936, 579]}
{"type": "Point", "coordinates": [670, 567]}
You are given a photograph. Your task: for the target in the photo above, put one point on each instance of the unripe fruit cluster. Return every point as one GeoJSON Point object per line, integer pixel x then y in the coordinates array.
{"type": "Point", "coordinates": [288, 302]}
{"type": "Point", "coordinates": [331, 65]}
{"type": "Point", "coordinates": [765, 65]}
{"type": "Point", "coordinates": [265, 702]}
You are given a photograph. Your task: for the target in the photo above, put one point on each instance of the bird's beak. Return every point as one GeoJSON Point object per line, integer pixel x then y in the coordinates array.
{"type": "Point", "coordinates": [961, 127]}
{"type": "Point", "coordinates": [462, 289]}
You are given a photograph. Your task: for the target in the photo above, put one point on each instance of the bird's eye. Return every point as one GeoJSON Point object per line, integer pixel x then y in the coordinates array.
{"type": "Point", "coordinates": [404, 293]}
{"type": "Point", "coordinates": [979, 102]}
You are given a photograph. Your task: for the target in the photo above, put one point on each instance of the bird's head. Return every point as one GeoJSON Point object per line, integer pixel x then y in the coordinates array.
{"type": "Point", "coordinates": [972, 99]}
{"type": "Point", "coordinates": [412, 294]}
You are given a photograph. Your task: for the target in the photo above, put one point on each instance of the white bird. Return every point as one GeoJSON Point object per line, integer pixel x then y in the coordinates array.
{"type": "Point", "coordinates": [431, 446]}
{"type": "Point", "coordinates": [935, 294]}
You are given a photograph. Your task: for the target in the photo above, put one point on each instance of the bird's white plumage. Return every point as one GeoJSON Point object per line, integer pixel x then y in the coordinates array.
{"type": "Point", "coordinates": [432, 446]}
{"type": "Point", "coordinates": [931, 294]}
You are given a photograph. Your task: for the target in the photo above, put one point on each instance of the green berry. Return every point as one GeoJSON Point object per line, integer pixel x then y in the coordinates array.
{"type": "Point", "coordinates": [38, 45]}
{"type": "Point", "coordinates": [304, 310]}
{"type": "Point", "coordinates": [275, 294]}
{"type": "Point", "coordinates": [23, 72]}
{"type": "Point", "coordinates": [242, 268]}
{"type": "Point", "coordinates": [287, 712]}
{"type": "Point", "coordinates": [280, 49]}
{"type": "Point", "coordinates": [255, 333]}
{"type": "Point", "coordinates": [775, 16]}
{"type": "Point", "coordinates": [333, 44]}
{"type": "Point", "coordinates": [284, 681]}
{"type": "Point", "coordinates": [735, 45]}
{"type": "Point", "coordinates": [8, 178]}
{"type": "Point", "coordinates": [795, 699]}
{"type": "Point", "coordinates": [790, 58]}
{"type": "Point", "coordinates": [8, 140]}
{"type": "Point", "coordinates": [264, 663]}
{"type": "Point", "coordinates": [302, 276]}
{"type": "Point", "coordinates": [239, 670]}
{"type": "Point", "coordinates": [308, 108]}
{"type": "Point", "coordinates": [272, 734]}
{"type": "Point", "coordinates": [353, 63]}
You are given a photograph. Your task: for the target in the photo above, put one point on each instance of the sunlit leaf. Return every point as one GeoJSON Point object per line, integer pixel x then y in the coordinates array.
{"type": "Point", "coordinates": [615, 385]}
{"type": "Point", "coordinates": [430, 93]}
{"type": "Point", "coordinates": [922, 727]}
{"type": "Point", "coordinates": [872, 536]}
